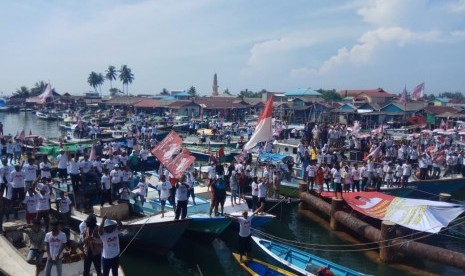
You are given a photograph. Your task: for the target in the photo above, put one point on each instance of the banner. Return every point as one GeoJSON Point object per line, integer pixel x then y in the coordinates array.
{"type": "Point", "coordinates": [417, 214]}
{"type": "Point", "coordinates": [169, 146]}
{"type": "Point", "coordinates": [180, 163]}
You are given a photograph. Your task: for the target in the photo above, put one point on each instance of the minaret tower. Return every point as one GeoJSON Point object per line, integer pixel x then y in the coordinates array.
{"type": "Point", "coordinates": [215, 86]}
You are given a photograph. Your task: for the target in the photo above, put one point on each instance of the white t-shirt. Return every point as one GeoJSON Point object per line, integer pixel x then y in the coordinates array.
{"type": "Point", "coordinates": [31, 203]}
{"type": "Point", "coordinates": [43, 202]}
{"type": "Point", "coordinates": [30, 172]}
{"type": "Point", "coordinates": [164, 189]}
{"type": "Point", "coordinates": [105, 180]}
{"type": "Point", "coordinates": [254, 189]}
{"type": "Point", "coordinates": [310, 170]}
{"type": "Point", "coordinates": [406, 170]}
{"type": "Point", "coordinates": [45, 170]}
{"type": "Point", "coordinates": [244, 226]}
{"type": "Point", "coordinates": [116, 176]}
{"type": "Point", "coordinates": [55, 242]}
{"type": "Point", "coordinates": [17, 179]}
{"type": "Point", "coordinates": [110, 164]}
{"type": "Point", "coordinates": [211, 172]}
{"type": "Point", "coordinates": [62, 161]}
{"type": "Point", "coordinates": [74, 167]}
{"type": "Point", "coordinates": [261, 189]}
{"type": "Point", "coordinates": [110, 244]}
{"type": "Point", "coordinates": [64, 205]}
{"type": "Point", "coordinates": [142, 186]}
{"type": "Point", "coordinates": [85, 165]}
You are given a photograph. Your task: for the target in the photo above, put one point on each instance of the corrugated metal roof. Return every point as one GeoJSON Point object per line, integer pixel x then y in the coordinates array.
{"type": "Point", "coordinates": [302, 92]}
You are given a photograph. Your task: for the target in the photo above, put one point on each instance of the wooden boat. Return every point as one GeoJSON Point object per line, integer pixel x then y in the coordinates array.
{"type": "Point", "coordinates": [301, 261]}
{"type": "Point", "coordinates": [149, 232]}
{"type": "Point", "coordinates": [15, 249]}
{"type": "Point", "coordinates": [426, 188]}
{"type": "Point", "coordinates": [257, 268]}
{"type": "Point", "coordinates": [46, 116]}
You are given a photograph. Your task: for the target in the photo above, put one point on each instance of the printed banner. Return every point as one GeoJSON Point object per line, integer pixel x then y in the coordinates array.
{"type": "Point", "coordinates": [168, 147]}
{"type": "Point", "coordinates": [418, 214]}
{"type": "Point", "coordinates": [180, 163]}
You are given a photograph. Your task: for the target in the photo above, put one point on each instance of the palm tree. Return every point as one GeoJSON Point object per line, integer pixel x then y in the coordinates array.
{"type": "Point", "coordinates": [94, 80]}
{"type": "Point", "coordinates": [100, 81]}
{"type": "Point", "coordinates": [126, 77]}
{"type": "Point", "coordinates": [38, 88]}
{"type": "Point", "coordinates": [192, 91]}
{"type": "Point", "coordinates": [22, 92]}
{"type": "Point", "coordinates": [111, 74]}
{"type": "Point", "coordinates": [165, 92]}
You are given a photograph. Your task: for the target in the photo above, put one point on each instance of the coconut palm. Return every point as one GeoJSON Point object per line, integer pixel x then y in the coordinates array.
{"type": "Point", "coordinates": [100, 81]}
{"type": "Point", "coordinates": [111, 74]}
{"type": "Point", "coordinates": [22, 92]}
{"type": "Point", "coordinates": [126, 77]}
{"type": "Point", "coordinates": [165, 92]}
{"type": "Point", "coordinates": [94, 80]}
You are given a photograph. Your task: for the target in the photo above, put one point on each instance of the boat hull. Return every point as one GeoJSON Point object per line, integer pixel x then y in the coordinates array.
{"type": "Point", "coordinates": [301, 261]}
{"type": "Point", "coordinates": [257, 268]}
{"type": "Point", "coordinates": [426, 188]}
{"type": "Point", "coordinates": [154, 236]}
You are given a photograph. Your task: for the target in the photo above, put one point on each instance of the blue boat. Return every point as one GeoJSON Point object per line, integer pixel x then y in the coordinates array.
{"type": "Point", "coordinates": [256, 267]}
{"type": "Point", "coordinates": [301, 261]}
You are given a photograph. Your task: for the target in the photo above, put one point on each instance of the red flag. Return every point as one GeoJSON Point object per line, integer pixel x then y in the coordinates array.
{"type": "Point", "coordinates": [263, 131]}
{"type": "Point", "coordinates": [180, 163]}
{"type": "Point", "coordinates": [418, 91]}
{"type": "Point", "coordinates": [374, 153]}
{"type": "Point", "coordinates": [403, 97]}
{"type": "Point", "coordinates": [169, 146]}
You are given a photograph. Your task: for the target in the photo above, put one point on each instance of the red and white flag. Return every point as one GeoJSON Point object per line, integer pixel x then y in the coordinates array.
{"type": "Point", "coordinates": [168, 147]}
{"type": "Point", "coordinates": [375, 153]}
{"type": "Point", "coordinates": [180, 163]}
{"type": "Point", "coordinates": [92, 155]}
{"type": "Point", "coordinates": [21, 136]}
{"type": "Point", "coordinates": [418, 91]}
{"type": "Point", "coordinates": [112, 120]}
{"type": "Point", "coordinates": [46, 94]}
{"type": "Point", "coordinates": [263, 131]}
{"type": "Point", "coordinates": [403, 97]}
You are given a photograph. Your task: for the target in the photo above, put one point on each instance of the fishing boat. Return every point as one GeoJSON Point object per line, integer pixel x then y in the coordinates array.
{"type": "Point", "coordinates": [301, 261]}
{"type": "Point", "coordinates": [203, 153]}
{"type": "Point", "coordinates": [258, 268]}
{"type": "Point", "coordinates": [46, 115]}
{"type": "Point", "coordinates": [15, 249]}
{"type": "Point", "coordinates": [426, 188]}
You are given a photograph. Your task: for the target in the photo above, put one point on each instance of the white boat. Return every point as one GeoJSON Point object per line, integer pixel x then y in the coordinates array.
{"type": "Point", "coordinates": [46, 115]}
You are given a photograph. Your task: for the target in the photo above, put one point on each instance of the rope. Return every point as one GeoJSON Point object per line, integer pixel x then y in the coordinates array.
{"type": "Point", "coordinates": [315, 246]}
{"type": "Point", "coordinates": [137, 233]}
{"type": "Point", "coordinates": [279, 202]}
{"type": "Point", "coordinates": [434, 195]}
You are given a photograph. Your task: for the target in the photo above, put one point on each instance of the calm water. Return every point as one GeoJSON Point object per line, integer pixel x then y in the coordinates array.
{"type": "Point", "coordinates": [16, 122]}
{"type": "Point", "coordinates": [193, 257]}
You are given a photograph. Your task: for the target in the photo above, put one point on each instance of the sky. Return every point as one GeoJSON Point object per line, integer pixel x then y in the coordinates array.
{"type": "Point", "coordinates": [261, 44]}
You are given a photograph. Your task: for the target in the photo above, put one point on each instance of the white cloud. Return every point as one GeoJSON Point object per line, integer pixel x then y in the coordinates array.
{"type": "Point", "coordinates": [457, 7]}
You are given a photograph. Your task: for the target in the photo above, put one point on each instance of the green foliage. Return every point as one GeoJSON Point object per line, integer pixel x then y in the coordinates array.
{"type": "Point", "coordinates": [115, 92]}
{"type": "Point", "coordinates": [452, 95]}
{"type": "Point", "coordinates": [192, 91]}
{"type": "Point", "coordinates": [126, 77]}
{"type": "Point", "coordinates": [250, 94]}
{"type": "Point", "coordinates": [165, 92]}
{"type": "Point", "coordinates": [329, 95]}
{"type": "Point", "coordinates": [226, 91]}
{"type": "Point", "coordinates": [111, 74]}
{"type": "Point", "coordinates": [22, 92]}
{"type": "Point", "coordinates": [95, 80]}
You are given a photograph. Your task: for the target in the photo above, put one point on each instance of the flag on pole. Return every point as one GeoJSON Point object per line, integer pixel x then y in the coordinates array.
{"type": "Point", "coordinates": [92, 155]}
{"type": "Point", "coordinates": [403, 97]}
{"type": "Point", "coordinates": [46, 94]}
{"type": "Point", "coordinates": [373, 153]}
{"type": "Point", "coordinates": [418, 91]}
{"type": "Point", "coordinates": [263, 131]}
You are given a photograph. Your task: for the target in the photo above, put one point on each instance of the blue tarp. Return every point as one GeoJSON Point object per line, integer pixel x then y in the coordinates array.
{"type": "Point", "coordinates": [271, 157]}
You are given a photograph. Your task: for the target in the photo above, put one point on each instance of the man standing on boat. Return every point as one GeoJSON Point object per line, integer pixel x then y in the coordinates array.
{"type": "Point", "coordinates": [62, 160]}
{"type": "Point", "coordinates": [110, 254]}
{"type": "Point", "coordinates": [245, 231]}
{"type": "Point", "coordinates": [55, 241]}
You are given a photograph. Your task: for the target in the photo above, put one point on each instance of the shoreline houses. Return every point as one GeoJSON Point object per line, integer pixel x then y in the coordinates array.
{"type": "Point", "coordinates": [371, 107]}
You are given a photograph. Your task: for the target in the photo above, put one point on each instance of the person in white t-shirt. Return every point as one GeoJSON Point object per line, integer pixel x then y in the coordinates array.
{"type": "Point", "coordinates": [108, 231]}
{"type": "Point", "coordinates": [62, 166]}
{"type": "Point", "coordinates": [142, 190]}
{"type": "Point", "coordinates": [163, 188]}
{"type": "Point", "coordinates": [55, 241]}
{"type": "Point", "coordinates": [43, 207]}
{"type": "Point", "coordinates": [17, 183]}
{"type": "Point", "coordinates": [30, 204]}
{"type": "Point", "coordinates": [30, 173]}
{"type": "Point", "coordinates": [64, 207]}
{"type": "Point", "coordinates": [311, 173]}
{"type": "Point", "coordinates": [245, 227]}
{"type": "Point", "coordinates": [105, 188]}
{"type": "Point", "coordinates": [75, 172]}
{"type": "Point", "coordinates": [406, 172]}
{"type": "Point", "coordinates": [45, 168]}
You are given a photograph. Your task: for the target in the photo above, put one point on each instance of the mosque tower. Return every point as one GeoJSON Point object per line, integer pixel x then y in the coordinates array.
{"type": "Point", "coordinates": [215, 86]}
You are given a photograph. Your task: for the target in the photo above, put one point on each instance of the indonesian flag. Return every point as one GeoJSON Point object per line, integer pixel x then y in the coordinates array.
{"type": "Point", "coordinates": [92, 155]}
{"type": "Point", "coordinates": [21, 136]}
{"type": "Point", "coordinates": [373, 153]}
{"type": "Point", "coordinates": [418, 91]}
{"type": "Point", "coordinates": [403, 97]}
{"type": "Point", "coordinates": [46, 94]}
{"type": "Point", "coordinates": [180, 163]}
{"type": "Point", "coordinates": [263, 131]}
